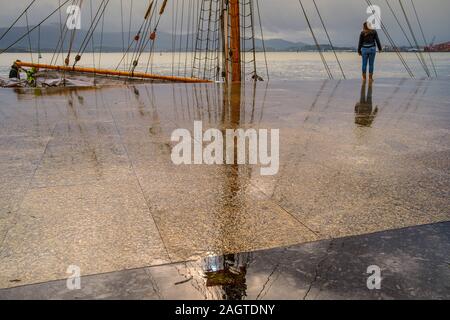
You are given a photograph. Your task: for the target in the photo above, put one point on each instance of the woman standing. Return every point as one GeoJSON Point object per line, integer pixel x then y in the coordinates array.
{"type": "Point", "coordinates": [368, 41]}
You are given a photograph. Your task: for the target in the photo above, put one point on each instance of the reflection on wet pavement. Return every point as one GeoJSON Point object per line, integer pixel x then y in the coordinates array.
{"type": "Point", "coordinates": [87, 177]}
{"type": "Point", "coordinates": [365, 113]}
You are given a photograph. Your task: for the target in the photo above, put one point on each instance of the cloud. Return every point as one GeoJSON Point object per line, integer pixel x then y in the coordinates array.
{"type": "Point", "coordinates": [281, 18]}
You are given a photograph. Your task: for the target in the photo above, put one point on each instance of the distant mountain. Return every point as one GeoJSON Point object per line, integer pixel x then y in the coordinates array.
{"type": "Point", "coordinates": [50, 36]}
{"type": "Point", "coordinates": [280, 45]}
{"type": "Point", "coordinates": [112, 41]}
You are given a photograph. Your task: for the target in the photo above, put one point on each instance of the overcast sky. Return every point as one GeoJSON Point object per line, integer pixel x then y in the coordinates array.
{"type": "Point", "coordinates": [281, 18]}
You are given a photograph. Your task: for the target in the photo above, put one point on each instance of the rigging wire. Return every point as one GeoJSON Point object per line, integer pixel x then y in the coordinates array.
{"type": "Point", "coordinates": [17, 20]}
{"type": "Point", "coordinates": [99, 16]}
{"type": "Point", "coordinates": [208, 39]}
{"type": "Point", "coordinates": [187, 37]}
{"type": "Point", "coordinates": [181, 36]}
{"type": "Point", "coordinates": [92, 42]}
{"type": "Point", "coordinates": [101, 41]}
{"type": "Point", "coordinates": [59, 49]}
{"type": "Point", "coordinates": [129, 30]}
{"type": "Point", "coordinates": [153, 34]}
{"type": "Point", "coordinates": [136, 38]}
{"type": "Point", "coordinates": [149, 36]}
{"type": "Point", "coordinates": [327, 68]}
{"type": "Point", "coordinates": [217, 41]}
{"type": "Point", "coordinates": [252, 19]}
{"type": "Point", "coordinates": [329, 39]}
{"type": "Point", "coordinates": [423, 36]}
{"type": "Point", "coordinates": [214, 65]}
{"type": "Point", "coordinates": [405, 34]}
{"type": "Point", "coordinates": [72, 39]}
{"type": "Point", "coordinates": [61, 28]}
{"type": "Point", "coordinates": [142, 41]}
{"type": "Point", "coordinates": [34, 28]}
{"type": "Point", "coordinates": [29, 36]}
{"type": "Point", "coordinates": [262, 39]}
{"type": "Point", "coordinates": [195, 22]}
{"type": "Point", "coordinates": [414, 37]}
{"type": "Point", "coordinates": [391, 41]}
{"type": "Point", "coordinates": [122, 27]}
{"type": "Point", "coordinates": [174, 35]}
{"type": "Point", "coordinates": [39, 44]}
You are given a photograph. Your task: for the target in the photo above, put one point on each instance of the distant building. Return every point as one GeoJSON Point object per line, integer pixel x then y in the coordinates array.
{"type": "Point", "coordinates": [443, 47]}
{"type": "Point", "coordinates": [401, 49]}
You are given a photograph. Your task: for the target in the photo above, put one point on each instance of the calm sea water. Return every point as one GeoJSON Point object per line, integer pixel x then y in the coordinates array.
{"type": "Point", "coordinates": [282, 65]}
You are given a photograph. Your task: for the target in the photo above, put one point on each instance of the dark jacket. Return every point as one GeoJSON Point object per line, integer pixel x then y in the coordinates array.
{"type": "Point", "coordinates": [14, 72]}
{"type": "Point", "coordinates": [368, 40]}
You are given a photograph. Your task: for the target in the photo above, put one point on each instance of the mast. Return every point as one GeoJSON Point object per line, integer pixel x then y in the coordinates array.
{"type": "Point", "coordinates": [235, 40]}
{"type": "Point", "coordinates": [107, 72]}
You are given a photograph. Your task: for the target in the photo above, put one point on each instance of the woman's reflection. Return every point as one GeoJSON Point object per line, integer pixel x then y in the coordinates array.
{"type": "Point", "coordinates": [364, 112]}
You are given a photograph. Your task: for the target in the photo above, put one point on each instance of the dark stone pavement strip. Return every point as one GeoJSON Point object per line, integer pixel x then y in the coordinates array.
{"type": "Point", "coordinates": [414, 262]}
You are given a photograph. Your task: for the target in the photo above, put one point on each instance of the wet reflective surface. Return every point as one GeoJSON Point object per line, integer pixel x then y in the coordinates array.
{"type": "Point", "coordinates": [412, 267]}
{"type": "Point", "coordinates": [87, 177]}
{"type": "Point", "coordinates": [365, 112]}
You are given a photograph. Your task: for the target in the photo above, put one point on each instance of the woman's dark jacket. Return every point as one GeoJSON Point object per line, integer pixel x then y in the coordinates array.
{"type": "Point", "coordinates": [369, 39]}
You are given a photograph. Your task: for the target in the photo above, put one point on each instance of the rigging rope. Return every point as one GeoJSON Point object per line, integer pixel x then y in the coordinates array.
{"type": "Point", "coordinates": [39, 44]}
{"type": "Point", "coordinates": [92, 42]}
{"type": "Point", "coordinates": [391, 41]}
{"type": "Point", "coordinates": [59, 40]}
{"type": "Point", "coordinates": [101, 41]}
{"type": "Point", "coordinates": [61, 29]}
{"type": "Point", "coordinates": [32, 29]}
{"type": "Point", "coordinates": [405, 34]}
{"type": "Point", "coordinates": [174, 35]}
{"type": "Point", "coordinates": [262, 39]}
{"type": "Point", "coordinates": [329, 39]}
{"type": "Point", "coordinates": [188, 37]}
{"type": "Point", "coordinates": [252, 22]}
{"type": "Point", "coordinates": [17, 20]}
{"type": "Point", "coordinates": [72, 38]}
{"type": "Point", "coordinates": [129, 29]}
{"type": "Point", "coordinates": [149, 36]}
{"type": "Point", "coordinates": [153, 37]}
{"type": "Point", "coordinates": [131, 41]}
{"type": "Point", "coordinates": [327, 68]}
{"type": "Point", "coordinates": [99, 16]}
{"type": "Point", "coordinates": [122, 26]}
{"type": "Point", "coordinates": [181, 36]}
{"type": "Point", "coordinates": [63, 32]}
{"type": "Point", "coordinates": [29, 36]}
{"type": "Point", "coordinates": [414, 37]}
{"type": "Point", "coordinates": [423, 36]}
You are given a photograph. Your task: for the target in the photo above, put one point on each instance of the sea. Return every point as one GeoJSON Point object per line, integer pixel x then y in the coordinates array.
{"type": "Point", "coordinates": [281, 66]}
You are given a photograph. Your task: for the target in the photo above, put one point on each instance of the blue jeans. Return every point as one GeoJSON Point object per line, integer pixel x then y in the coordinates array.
{"type": "Point", "coordinates": [368, 55]}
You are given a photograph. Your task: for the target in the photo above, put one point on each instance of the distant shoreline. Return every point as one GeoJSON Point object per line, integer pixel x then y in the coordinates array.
{"type": "Point", "coordinates": [47, 51]}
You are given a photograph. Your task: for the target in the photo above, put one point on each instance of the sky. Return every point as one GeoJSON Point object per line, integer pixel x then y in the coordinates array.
{"type": "Point", "coordinates": [280, 18]}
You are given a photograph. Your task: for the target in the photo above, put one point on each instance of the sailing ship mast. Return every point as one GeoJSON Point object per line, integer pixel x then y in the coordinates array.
{"type": "Point", "coordinates": [218, 53]}
{"type": "Point", "coordinates": [235, 41]}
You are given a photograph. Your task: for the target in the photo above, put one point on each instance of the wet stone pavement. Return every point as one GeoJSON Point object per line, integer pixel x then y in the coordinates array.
{"type": "Point", "coordinates": [412, 267]}
{"type": "Point", "coordinates": [87, 180]}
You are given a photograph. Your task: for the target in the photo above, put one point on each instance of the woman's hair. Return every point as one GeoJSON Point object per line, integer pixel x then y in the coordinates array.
{"type": "Point", "coordinates": [366, 27]}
